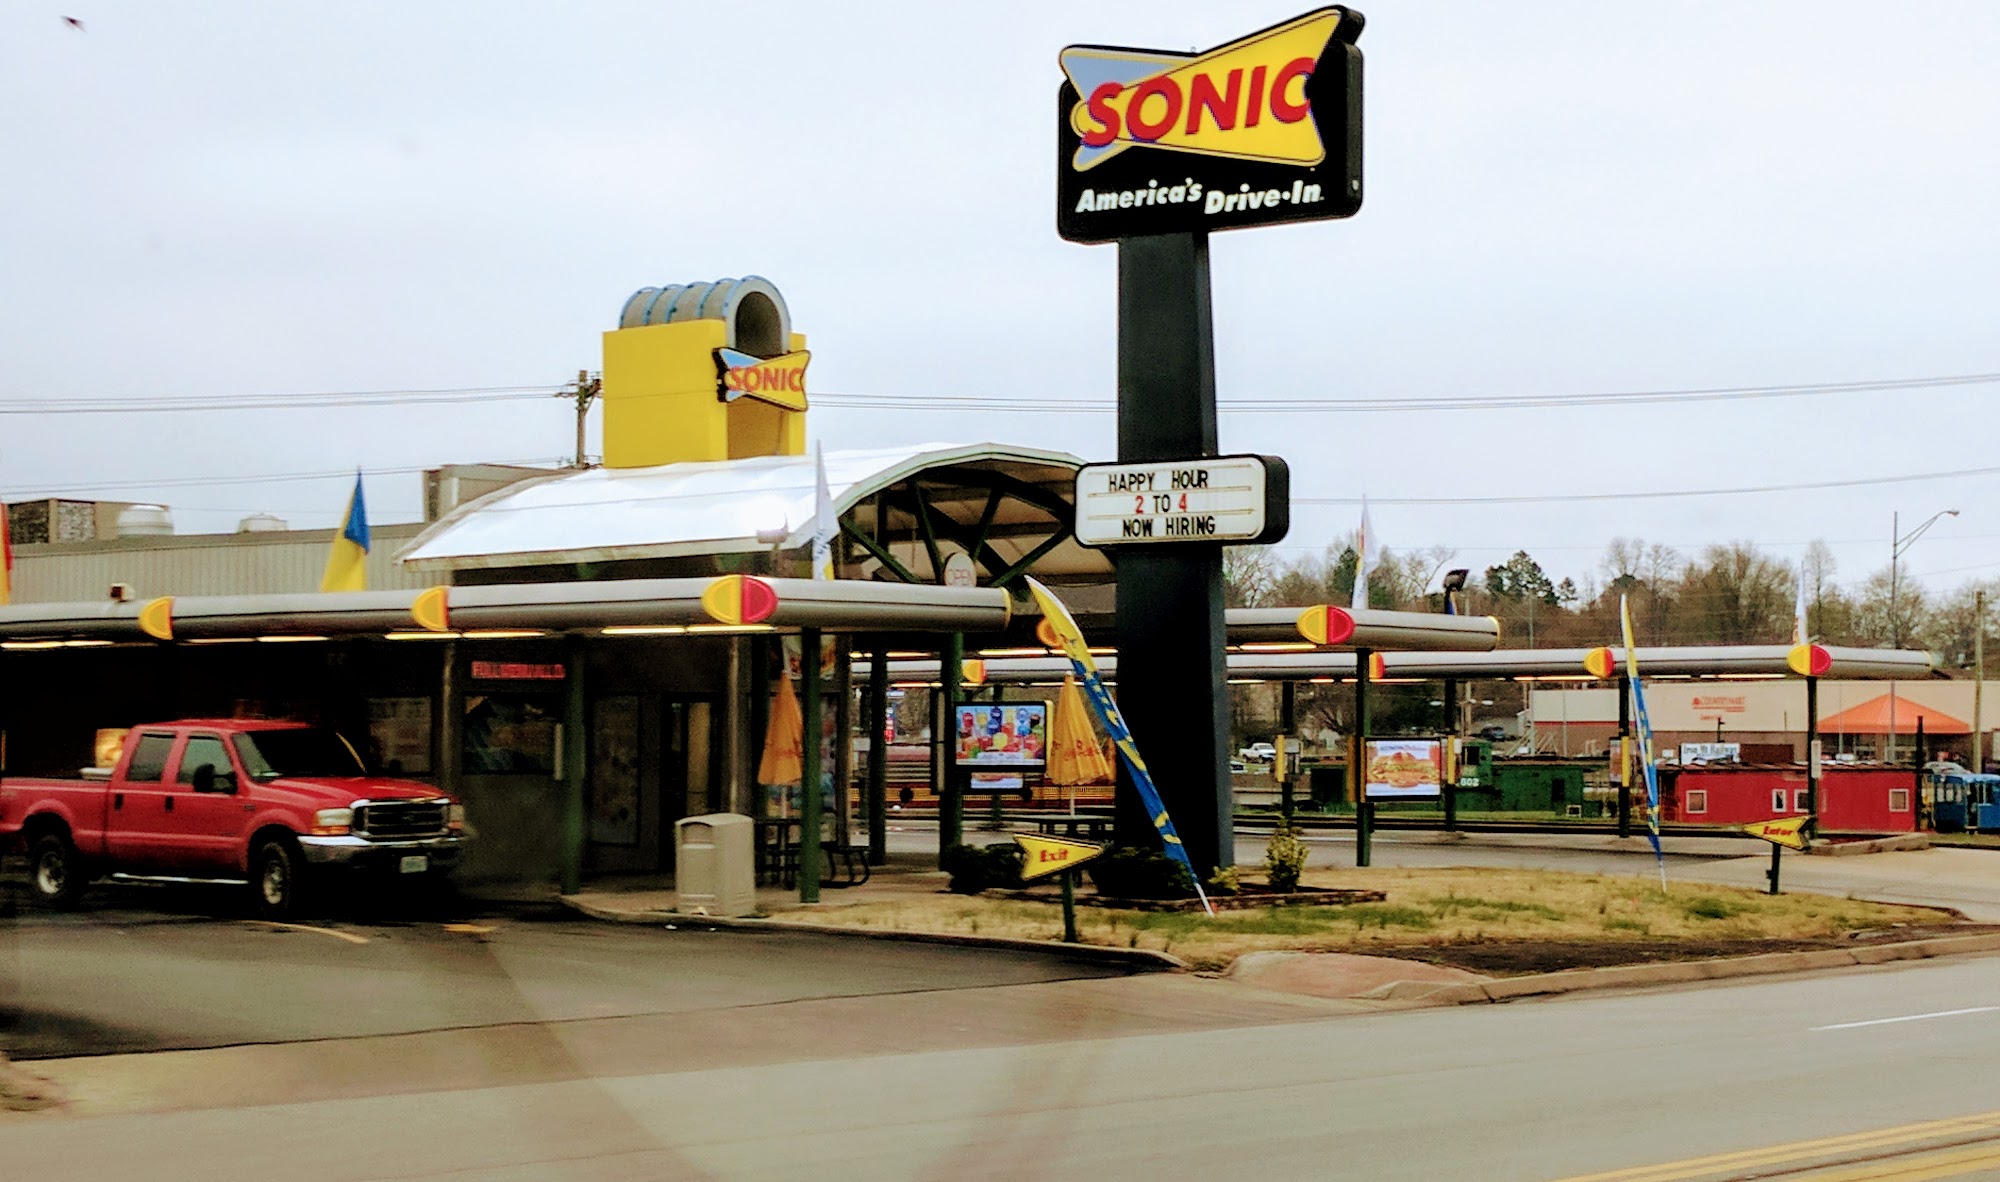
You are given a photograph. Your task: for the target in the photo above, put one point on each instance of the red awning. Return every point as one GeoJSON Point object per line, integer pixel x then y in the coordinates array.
{"type": "Point", "coordinates": [1872, 718]}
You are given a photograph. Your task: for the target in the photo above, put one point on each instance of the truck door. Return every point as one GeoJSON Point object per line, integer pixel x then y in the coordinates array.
{"type": "Point", "coordinates": [136, 821]}
{"type": "Point", "coordinates": [207, 816]}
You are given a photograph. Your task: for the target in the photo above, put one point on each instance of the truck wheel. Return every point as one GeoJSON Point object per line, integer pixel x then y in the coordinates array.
{"type": "Point", "coordinates": [56, 875]}
{"type": "Point", "coordinates": [277, 879]}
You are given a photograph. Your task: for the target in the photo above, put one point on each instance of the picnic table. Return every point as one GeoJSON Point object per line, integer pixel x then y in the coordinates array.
{"type": "Point", "coordinates": [1091, 825]}
{"type": "Point", "coordinates": [778, 856]}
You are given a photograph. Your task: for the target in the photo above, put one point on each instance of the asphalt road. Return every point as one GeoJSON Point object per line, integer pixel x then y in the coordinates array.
{"type": "Point", "coordinates": [516, 1043]}
{"type": "Point", "coordinates": [1103, 1078]}
{"type": "Point", "coordinates": [147, 969]}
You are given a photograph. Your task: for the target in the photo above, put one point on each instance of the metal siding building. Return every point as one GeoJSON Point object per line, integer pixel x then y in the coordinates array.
{"type": "Point", "coordinates": [201, 564]}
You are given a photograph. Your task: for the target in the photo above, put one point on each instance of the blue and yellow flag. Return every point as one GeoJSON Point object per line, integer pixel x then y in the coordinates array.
{"type": "Point", "coordinates": [347, 566]}
{"type": "Point", "coordinates": [1078, 651]}
{"type": "Point", "coordinates": [1645, 727]}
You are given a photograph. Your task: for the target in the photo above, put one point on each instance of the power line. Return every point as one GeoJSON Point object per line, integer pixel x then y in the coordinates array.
{"type": "Point", "coordinates": [314, 401]}
{"type": "Point", "coordinates": [1667, 494]}
{"type": "Point", "coordinates": [1442, 403]}
{"type": "Point", "coordinates": [949, 402]}
{"type": "Point", "coordinates": [216, 481]}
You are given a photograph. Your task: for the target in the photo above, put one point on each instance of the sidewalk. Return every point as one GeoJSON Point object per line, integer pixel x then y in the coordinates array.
{"type": "Point", "coordinates": [645, 896]}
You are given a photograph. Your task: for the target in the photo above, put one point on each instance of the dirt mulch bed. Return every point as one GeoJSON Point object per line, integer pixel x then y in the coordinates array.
{"type": "Point", "coordinates": [1248, 896]}
{"type": "Point", "coordinates": [1515, 958]}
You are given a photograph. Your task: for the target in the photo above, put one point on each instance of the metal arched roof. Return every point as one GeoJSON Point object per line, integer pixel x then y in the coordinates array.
{"type": "Point", "coordinates": [718, 507]}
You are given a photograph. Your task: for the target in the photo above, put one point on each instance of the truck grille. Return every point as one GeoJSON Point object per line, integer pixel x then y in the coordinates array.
{"type": "Point", "coordinates": [397, 819]}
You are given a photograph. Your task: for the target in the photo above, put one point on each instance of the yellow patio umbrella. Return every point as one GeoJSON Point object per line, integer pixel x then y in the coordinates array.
{"type": "Point", "coordinates": [1074, 756]}
{"type": "Point", "coordinates": [784, 757]}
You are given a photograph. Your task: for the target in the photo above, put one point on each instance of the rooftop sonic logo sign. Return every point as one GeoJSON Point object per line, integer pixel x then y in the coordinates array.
{"type": "Point", "coordinates": [780, 381]}
{"type": "Point", "coordinates": [1264, 129]}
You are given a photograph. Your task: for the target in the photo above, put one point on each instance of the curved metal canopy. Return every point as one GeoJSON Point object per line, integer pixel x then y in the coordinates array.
{"type": "Point", "coordinates": [747, 506]}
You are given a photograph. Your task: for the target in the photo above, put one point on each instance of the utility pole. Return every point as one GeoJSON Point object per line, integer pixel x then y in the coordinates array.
{"type": "Point", "coordinates": [1978, 678]}
{"type": "Point", "coordinates": [588, 386]}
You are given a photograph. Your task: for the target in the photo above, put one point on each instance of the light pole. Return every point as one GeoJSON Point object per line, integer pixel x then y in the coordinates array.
{"type": "Point", "coordinates": [1899, 542]}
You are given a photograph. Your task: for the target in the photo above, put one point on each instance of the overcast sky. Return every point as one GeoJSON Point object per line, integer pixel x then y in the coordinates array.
{"type": "Point", "coordinates": [1563, 199]}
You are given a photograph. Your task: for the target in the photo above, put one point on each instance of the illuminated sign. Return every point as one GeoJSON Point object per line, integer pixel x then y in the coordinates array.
{"type": "Point", "coordinates": [515, 671]}
{"type": "Point", "coordinates": [780, 381]}
{"type": "Point", "coordinates": [1233, 499]}
{"type": "Point", "coordinates": [1264, 129]}
{"type": "Point", "coordinates": [1404, 767]}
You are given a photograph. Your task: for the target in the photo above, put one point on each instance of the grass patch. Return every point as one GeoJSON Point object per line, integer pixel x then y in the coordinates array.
{"type": "Point", "coordinates": [1425, 909]}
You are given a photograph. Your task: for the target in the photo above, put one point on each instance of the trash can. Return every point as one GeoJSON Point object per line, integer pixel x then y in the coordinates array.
{"type": "Point", "coordinates": [715, 869]}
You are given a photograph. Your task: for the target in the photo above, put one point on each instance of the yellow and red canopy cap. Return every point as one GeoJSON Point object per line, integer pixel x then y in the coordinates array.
{"type": "Point", "coordinates": [1809, 660]}
{"type": "Point", "coordinates": [739, 599]}
{"type": "Point", "coordinates": [1325, 624]}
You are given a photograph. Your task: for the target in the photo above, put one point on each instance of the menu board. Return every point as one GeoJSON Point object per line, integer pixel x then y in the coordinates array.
{"type": "Point", "coordinates": [1404, 767]}
{"type": "Point", "coordinates": [1006, 734]}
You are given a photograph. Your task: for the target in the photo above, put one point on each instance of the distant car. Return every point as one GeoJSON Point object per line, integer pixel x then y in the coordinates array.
{"type": "Point", "coordinates": [1258, 753]}
{"type": "Point", "coordinates": [1493, 733]}
{"type": "Point", "coordinates": [1238, 767]}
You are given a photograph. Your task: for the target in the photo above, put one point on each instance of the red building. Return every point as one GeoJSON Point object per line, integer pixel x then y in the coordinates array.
{"type": "Point", "coordinates": [1852, 799]}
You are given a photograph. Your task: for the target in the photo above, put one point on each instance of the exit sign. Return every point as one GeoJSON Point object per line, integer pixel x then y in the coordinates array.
{"type": "Point", "coordinates": [1235, 500]}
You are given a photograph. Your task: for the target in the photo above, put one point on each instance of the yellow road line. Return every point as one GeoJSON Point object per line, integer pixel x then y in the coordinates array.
{"type": "Point", "coordinates": [1696, 1167]}
{"type": "Point", "coordinates": [1953, 1164]}
{"type": "Point", "coordinates": [469, 929]}
{"type": "Point", "coordinates": [350, 937]}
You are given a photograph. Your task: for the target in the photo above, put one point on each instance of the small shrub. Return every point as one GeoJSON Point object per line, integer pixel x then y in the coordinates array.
{"type": "Point", "coordinates": [1225, 881]}
{"type": "Point", "coordinates": [1615, 924]}
{"type": "Point", "coordinates": [1128, 872]}
{"type": "Point", "coordinates": [1708, 907]}
{"type": "Point", "coordinates": [1285, 858]}
{"type": "Point", "coordinates": [975, 868]}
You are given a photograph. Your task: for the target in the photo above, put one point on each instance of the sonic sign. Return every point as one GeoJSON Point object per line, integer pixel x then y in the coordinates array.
{"type": "Point", "coordinates": [1265, 129]}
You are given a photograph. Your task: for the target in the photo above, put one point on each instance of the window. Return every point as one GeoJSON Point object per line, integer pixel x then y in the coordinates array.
{"type": "Point", "coordinates": [1697, 800]}
{"type": "Point", "coordinates": [203, 751]}
{"type": "Point", "coordinates": [1899, 800]}
{"type": "Point", "coordinates": [149, 759]}
{"type": "Point", "coordinates": [1799, 802]}
{"type": "Point", "coordinates": [510, 734]}
{"type": "Point", "coordinates": [297, 751]}
{"type": "Point", "coordinates": [1777, 800]}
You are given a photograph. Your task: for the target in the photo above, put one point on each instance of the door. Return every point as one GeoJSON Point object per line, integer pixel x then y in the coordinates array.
{"type": "Point", "coordinates": [208, 809]}
{"type": "Point", "coordinates": [136, 823]}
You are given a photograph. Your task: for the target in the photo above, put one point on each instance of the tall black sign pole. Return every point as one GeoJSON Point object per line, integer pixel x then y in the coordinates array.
{"type": "Point", "coordinates": [1155, 150]}
{"type": "Point", "coordinates": [1172, 677]}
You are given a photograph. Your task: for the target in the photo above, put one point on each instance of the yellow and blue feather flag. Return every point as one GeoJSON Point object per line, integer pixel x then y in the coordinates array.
{"type": "Point", "coordinates": [347, 565]}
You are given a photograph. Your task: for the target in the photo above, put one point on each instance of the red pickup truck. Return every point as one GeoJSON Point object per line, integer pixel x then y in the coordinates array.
{"type": "Point", "coordinates": [276, 804]}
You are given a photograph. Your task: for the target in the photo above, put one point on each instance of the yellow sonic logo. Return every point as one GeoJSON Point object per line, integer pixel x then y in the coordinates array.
{"type": "Point", "coordinates": [1245, 100]}
{"type": "Point", "coordinates": [780, 381]}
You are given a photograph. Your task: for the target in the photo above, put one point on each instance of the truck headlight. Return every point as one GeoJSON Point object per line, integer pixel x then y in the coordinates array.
{"type": "Point", "coordinates": [332, 822]}
{"type": "Point", "coordinates": [455, 818]}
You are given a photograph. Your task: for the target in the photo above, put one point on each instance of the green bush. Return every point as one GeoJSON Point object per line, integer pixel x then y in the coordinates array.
{"type": "Point", "coordinates": [1285, 858]}
{"type": "Point", "coordinates": [974, 868]}
{"type": "Point", "coordinates": [1225, 881]}
{"type": "Point", "coordinates": [1128, 872]}
{"type": "Point", "coordinates": [1707, 907]}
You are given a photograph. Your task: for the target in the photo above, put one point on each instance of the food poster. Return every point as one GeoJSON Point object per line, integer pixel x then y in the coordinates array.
{"type": "Point", "coordinates": [1404, 767]}
{"type": "Point", "coordinates": [614, 772]}
{"type": "Point", "coordinates": [399, 736]}
{"type": "Point", "coordinates": [1012, 733]}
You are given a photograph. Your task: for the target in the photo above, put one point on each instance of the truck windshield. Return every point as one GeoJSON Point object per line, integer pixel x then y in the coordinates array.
{"type": "Point", "coordinates": [267, 755]}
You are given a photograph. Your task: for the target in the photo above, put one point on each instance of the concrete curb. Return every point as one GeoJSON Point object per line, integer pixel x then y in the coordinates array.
{"type": "Point", "coordinates": [1143, 958]}
{"type": "Point", "coordinates": [23, 1092]}
{"type": "Point", "coordinates": [1878, 845]}
{"type": "Point", "coordinates": [1681, 972]}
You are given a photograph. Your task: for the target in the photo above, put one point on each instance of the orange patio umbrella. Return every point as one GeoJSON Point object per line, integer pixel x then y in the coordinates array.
{"type": "Point", "coordinates": [1074, 756]}
{"type": "Point", "coordinates": [784, 757]}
